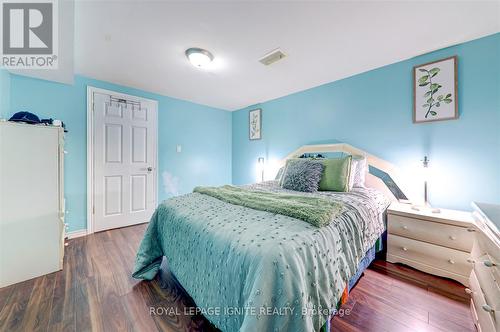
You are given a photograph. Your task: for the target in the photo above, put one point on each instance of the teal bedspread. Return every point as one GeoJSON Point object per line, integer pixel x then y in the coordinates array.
{"type": "Point", "coordinates": [251, 270]}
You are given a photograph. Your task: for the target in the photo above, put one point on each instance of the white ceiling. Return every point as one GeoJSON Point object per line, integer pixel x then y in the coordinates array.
{"type": "Point", "coordinates": [141, 43]}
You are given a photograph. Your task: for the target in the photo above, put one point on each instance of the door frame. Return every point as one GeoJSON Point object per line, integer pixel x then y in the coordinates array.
{"type": "Point", "coordinates": [90, 148]}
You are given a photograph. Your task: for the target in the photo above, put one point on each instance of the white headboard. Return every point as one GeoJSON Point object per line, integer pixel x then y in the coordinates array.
{"type": "Point", "coordinates": [371, 180]}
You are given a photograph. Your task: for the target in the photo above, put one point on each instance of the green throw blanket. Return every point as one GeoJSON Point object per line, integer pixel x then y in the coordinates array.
{"type": "Point", "coordinates": [314, 210]}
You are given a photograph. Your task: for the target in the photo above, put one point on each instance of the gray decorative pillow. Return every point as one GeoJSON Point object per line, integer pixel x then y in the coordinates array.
{"type": "Point", "coordinates": [280, 174]}
{"type": "Point", "coordinates": [302, 175]}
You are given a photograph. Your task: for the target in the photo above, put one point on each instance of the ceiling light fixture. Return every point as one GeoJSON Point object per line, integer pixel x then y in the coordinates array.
{"type": "Point", "coordinates": [199, 57]}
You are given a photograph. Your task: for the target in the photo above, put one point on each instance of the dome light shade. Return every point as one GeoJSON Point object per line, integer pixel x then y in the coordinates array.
{"type": "Point", "coordinates": [199, 57]}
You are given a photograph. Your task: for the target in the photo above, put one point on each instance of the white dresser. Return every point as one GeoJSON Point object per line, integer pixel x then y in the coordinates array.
{"type": "Point", "coordinates": [436, 243]}
{"type": "Point", "coordinates": [31, 201]}
{"type": "Point", "coordinates": [485, 276]}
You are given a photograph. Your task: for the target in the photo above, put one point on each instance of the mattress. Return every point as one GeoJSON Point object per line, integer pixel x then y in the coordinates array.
{"type": "Point", "coordinates": [250, 270]}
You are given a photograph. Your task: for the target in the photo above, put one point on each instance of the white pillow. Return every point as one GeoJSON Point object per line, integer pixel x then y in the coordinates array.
{"type": "Point", "coordinates": [359, 168]}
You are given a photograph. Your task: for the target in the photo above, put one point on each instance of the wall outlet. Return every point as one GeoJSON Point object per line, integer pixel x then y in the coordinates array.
{"type": "Point", "coordinates": [178, 148]}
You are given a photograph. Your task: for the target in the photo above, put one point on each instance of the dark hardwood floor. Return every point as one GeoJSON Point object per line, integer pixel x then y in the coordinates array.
{"type": "Point", "coordinates": [95, 291]}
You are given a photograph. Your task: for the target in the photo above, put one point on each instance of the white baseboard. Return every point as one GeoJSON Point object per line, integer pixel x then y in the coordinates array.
{"type": "Point", "coordinates": [75, 234]}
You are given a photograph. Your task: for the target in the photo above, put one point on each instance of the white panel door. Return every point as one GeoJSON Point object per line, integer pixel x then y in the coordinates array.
{"type": "Point", "coordinates": [124, 160]}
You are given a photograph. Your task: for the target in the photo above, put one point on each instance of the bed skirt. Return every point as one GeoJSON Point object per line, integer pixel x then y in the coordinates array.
{"type": "Point", "coordinates": [363, 265]}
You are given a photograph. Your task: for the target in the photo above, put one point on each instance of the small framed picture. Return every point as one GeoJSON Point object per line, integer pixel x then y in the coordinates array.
{"type": "Point", "coordinates": [255, 124]}
{"type": "Point", "coordinates": [435, 91]}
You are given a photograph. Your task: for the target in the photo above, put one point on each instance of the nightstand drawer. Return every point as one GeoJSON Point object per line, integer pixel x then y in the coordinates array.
{"type": "Point", "coordinates": [441, 234]}
{"type": "Point", "coordinates": [442, 258]}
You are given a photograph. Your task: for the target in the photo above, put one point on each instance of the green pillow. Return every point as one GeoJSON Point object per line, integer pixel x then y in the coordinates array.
{"type": "Point", "coordinates": [336, 174]}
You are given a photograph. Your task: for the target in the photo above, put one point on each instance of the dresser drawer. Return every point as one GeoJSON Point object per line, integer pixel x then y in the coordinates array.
{"type": "Point", "coordinates": [474, 315]}
{"type": "Point", "coordinates": [487, 321]}
{"type": "Point", "coordinates": [488, 277]}
{"type": "Point", "coordinates": [442, 258]}
{"type": "Point", "coordinates": [484, 244]}
{"type": "Point", "coordinates": [441, 234]}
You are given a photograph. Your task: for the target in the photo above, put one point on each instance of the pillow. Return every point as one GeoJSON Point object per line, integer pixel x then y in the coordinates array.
{"type": "Point", "coordinates": [282, 176]}
{"type": "Point", "coordinates": [354, 165]}
{"type": "Point", "coordinates": [336, 174]}
{"type": "Point", "coordinates": [359, 168]}
{"type": "Point", "coordinates": [302, 175]}
{"type": "Point", "coordinates": [279, 175]}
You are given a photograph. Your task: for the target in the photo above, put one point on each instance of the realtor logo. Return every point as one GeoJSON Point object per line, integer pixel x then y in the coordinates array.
{"type": "Point", "coordinates": [29, 34]}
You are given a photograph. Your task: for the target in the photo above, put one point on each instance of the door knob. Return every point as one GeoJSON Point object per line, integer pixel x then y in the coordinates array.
{"type": "Point", "coordinates": [150, 169]}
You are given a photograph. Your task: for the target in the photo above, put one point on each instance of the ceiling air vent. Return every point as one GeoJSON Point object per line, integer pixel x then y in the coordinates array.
{"type": "Point", "coordinates": [272, 57]}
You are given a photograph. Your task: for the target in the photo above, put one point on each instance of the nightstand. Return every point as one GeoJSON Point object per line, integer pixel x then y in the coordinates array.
{"type": "Point", "coordinates": [436, 243]}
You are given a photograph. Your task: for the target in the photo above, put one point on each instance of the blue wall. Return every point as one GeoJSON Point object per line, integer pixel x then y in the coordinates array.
{"type": "Point", "coordinates": [4, 92]}
{"type": "Point", "coordinates": [203, 132]}
{"type": "Point", "coordinates": [373, 111]}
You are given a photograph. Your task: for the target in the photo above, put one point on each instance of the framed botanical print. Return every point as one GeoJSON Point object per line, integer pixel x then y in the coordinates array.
{"type": "Point", "coordinates": [435, 91]}
{"type": "Point", "coordinates": [255, 124]}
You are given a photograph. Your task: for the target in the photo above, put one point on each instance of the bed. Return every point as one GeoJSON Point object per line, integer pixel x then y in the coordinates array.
{"type": "Point", "coordinates": [252, 270]}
